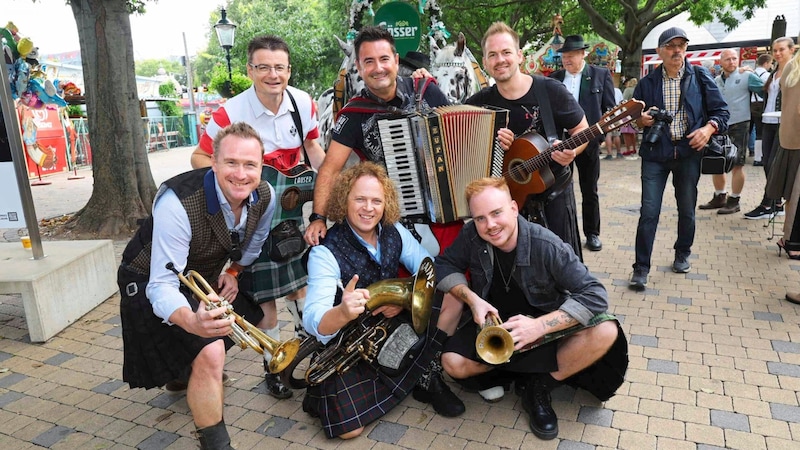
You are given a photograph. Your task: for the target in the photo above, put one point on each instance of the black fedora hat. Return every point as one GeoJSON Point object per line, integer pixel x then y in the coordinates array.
{"type": "Point", "coordinates": [573, 42]}
{"type": "Point", "coordinates": [417, 60]}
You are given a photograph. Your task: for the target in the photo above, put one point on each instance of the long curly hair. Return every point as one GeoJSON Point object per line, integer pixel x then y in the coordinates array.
{"type": "Point", "coordinates": [337, 202]}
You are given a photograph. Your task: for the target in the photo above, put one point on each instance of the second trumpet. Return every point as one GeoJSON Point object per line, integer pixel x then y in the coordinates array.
{"type": "Point", "coordinates": [494, 343]}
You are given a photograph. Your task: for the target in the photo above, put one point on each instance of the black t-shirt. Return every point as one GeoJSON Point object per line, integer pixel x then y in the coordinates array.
{"type": "Point", "coordinates": [359, 131]}
{"type": "Point", "coordinates": [524, 111]}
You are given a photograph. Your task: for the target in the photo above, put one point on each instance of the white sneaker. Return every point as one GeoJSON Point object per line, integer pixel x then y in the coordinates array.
{"type": "Point", "coordinates": [493, 394]}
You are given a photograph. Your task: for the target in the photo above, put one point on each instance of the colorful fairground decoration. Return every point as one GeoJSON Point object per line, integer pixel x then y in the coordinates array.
{"type": "Point", "coordinates": [546, 59]}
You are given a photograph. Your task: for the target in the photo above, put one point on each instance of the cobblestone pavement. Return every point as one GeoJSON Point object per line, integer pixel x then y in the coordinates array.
{"type": "Point", "coordinates": [714, 356]}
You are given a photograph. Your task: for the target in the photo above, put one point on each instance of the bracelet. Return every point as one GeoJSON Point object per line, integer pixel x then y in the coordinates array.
{"type": "Point", "coordinates": [232, 272]}
{"type": "Point", "coordinates": [314, 216]}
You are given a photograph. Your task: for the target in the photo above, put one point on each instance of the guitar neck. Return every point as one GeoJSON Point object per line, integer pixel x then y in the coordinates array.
{"type": "Point", "coordinates": [577, 140]}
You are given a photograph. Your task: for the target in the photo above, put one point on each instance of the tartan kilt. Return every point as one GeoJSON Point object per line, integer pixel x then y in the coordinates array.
{"type": "Point", "coordinates": [358, 397]}
{"type": "Point", "coordinates": [270, 280]}
{"type": "Point", "coordinates": [155, 353]}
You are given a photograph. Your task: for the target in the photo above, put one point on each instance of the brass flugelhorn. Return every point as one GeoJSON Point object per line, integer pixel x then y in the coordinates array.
{"type": "Point", "coordinates": [358, 341]}
{"type": "Point", "coordinates": [494, 343]}
{"type": "Point", "coordinates": [244, 333]}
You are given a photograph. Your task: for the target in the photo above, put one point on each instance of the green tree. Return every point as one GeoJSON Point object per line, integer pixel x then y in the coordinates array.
{"type": "Point", "coordinates": [622, 22]}
{"type": "Point", "coordinates": [627, 22]}
{"type": "Point", "coordinates": [305, 26]}
{"type": "Point", "coordinates": [150, 67]}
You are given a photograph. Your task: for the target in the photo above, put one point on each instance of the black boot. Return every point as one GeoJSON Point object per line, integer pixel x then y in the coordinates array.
{"type": "Point", "coordinates": [275, 386]}
{"type": "Point", "coordinates": [536, 401]}
{"type": "Point", "coordinates": [214, 437]}
{"type": "Point", "coordinates": [432, 389]}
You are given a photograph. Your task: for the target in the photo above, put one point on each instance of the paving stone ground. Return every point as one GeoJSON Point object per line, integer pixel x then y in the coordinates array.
{"type": "Point", "coordinates": [714, 355]}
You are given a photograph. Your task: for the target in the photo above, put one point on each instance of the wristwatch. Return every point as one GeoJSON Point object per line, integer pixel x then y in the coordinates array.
{"type": "Point", "coordinates": [314, 216]}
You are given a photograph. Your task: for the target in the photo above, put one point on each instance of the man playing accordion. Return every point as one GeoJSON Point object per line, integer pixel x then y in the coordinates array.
{"type": "Point", "coordinates": [528, 277]}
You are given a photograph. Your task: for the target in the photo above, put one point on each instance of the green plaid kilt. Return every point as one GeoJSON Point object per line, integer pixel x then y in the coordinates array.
{"type": "Point", "coordinates": [270, 280]}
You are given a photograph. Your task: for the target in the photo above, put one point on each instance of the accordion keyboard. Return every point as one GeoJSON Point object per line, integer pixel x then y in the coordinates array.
{"type": "Point", "coordinates": [401, 164]}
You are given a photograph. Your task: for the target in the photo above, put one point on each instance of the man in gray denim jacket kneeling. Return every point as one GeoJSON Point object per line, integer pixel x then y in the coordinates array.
{"type": "Point", "coordinates": [554, 310]}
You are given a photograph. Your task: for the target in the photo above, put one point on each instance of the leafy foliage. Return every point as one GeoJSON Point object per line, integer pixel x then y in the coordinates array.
{"type": "Point", "coordinates": [219, 78]}
{"type": "Point", "coordinates": [315, 57]}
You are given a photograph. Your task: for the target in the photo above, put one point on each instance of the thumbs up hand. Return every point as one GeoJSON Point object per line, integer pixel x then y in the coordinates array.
{"type": "Point", "coordinates": [354, 300]}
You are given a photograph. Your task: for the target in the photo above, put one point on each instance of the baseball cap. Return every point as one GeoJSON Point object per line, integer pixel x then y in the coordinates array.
{"type": "Point", "coordinates": [670, 34]}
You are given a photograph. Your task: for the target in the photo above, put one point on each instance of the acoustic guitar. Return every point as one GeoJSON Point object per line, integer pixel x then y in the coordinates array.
{"type": "Point", "coordinates": [526, 167]}
{"type": "Point", "coordinates": [293, 188]}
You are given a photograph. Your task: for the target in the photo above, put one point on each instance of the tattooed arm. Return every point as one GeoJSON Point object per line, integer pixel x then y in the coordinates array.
{"type": "Point", "coordinates": [479, 307]}
{"type": "Point", "coordinates": [527, 330]}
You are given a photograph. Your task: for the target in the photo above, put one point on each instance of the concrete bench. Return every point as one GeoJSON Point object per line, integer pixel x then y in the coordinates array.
{"type": "Point", "coordinates": [59, 289]}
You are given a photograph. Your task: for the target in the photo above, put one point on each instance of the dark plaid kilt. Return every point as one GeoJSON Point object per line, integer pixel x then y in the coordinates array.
{"type": "Point", "coordinates": [154, 352]}
{"type": "Point", "coordinates": [356, 398]}
{"type": "Point", "coordinates": [602, 378]}
{"type": "Point", "coordinates": [271, 280]}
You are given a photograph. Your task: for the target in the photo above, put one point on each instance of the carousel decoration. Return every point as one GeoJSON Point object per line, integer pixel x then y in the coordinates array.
{"type": "Point", "coordinates": [546, 59]}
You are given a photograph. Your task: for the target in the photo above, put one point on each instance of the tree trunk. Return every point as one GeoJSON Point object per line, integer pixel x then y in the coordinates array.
{"type": "Point", "coordinates": [123, 184]}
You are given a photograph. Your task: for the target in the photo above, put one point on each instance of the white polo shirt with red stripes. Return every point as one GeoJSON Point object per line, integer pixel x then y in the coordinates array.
{"type": "Point", "coordinates": [278, 132]}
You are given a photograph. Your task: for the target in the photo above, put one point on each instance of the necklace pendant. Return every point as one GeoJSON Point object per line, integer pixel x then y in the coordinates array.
{"type": "Point", "coordinates": [507, 289]}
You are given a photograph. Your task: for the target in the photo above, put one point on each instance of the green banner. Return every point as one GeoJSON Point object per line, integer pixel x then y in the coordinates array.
{"type": "Point", "coordinates": [402, 20]}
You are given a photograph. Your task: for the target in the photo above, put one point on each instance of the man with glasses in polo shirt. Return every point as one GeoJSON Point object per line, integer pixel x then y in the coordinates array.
{"type": "Point", "coordinates": [287, 125]}
{"type": "Point", "coordinates": [689, 108]}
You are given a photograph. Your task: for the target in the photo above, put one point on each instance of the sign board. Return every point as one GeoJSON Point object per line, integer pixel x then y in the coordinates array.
{"type": "Point", "coordinates": [11, 215]}
{"type": "Point", "coordinates": [402, 20]}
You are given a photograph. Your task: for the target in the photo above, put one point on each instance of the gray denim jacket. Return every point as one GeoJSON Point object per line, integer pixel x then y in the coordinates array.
{"type": "Point", "coordinates": [548, 271]}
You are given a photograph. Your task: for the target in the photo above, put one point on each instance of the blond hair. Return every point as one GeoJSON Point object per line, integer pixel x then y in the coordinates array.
{"type": "Point", "coordinates": [792, 67]}
{"type": "Point", "coordinates": [498, 28]}
{"type": "Point", "coordinates": [475, 187]}
{"type": "Point", "coordinates": [337, 203]}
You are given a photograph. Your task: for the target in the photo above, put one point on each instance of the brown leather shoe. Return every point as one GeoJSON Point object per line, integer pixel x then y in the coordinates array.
{"type": "Point", "coordinates": [793, 298]}
{"type": "Point", "coordinates": [717, 202]}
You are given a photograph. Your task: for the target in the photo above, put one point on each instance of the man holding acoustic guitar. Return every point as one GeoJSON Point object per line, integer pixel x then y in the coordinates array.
{"type": "Point", "coordinates": [529, 115]}
{"type": "Point", "coordinates": [288, 128]}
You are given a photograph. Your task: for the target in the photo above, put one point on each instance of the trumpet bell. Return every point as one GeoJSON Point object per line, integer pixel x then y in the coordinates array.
{"type": "Point", "coordinates": [494, 343]}
{"type": "Point", "coordinates": [283, 354]}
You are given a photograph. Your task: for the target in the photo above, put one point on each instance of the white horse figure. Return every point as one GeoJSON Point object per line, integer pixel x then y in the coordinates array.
{"type": "Point", "coordinates": [456, 70]}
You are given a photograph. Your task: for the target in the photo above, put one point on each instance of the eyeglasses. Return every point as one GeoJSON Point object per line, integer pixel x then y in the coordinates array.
{"type": "Point", "coordinates": [236, 252]}
{"type": "Point", "coordinates": [675, 45]}
{"type": "Point", "coordinates": [265, 68]}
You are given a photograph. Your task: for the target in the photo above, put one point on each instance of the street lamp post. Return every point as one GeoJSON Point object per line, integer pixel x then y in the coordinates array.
{"type": "Point", "coordinates": [226, 31]}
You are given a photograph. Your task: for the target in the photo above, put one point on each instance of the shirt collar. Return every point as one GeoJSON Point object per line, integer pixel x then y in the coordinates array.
{"type": "Point", "coordinates": [259, 109]}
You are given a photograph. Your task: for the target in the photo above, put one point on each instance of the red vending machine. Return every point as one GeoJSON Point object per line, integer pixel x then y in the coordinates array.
{"type": "Point", "coordinates": [44, 140]}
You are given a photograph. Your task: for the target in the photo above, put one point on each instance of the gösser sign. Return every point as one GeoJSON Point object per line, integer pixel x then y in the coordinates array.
{"type": "Point", "coordinates": [402, 20]}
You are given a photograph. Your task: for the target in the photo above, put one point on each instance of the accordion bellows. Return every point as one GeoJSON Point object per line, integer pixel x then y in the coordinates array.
{"type": "Point", "coordinates": [433, 155]}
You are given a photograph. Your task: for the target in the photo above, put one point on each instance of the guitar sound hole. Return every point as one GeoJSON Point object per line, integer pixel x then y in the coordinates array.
{"type": "Point", "coordinates": [290, 198]}
{"type": "Point", "coordinates": [517, 172]}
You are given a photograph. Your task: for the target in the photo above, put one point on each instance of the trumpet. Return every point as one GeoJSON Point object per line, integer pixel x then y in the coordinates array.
{"type": "Point", "coordinates": [244, 333]}
{"type": "Point", "coordinates": [494, 343]}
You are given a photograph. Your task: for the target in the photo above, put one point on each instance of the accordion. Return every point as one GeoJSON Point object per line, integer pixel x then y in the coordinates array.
{"type": "Point", "coordinates": [433, 155]}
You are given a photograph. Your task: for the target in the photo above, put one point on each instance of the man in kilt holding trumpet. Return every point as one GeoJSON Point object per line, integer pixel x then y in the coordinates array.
{"type": "Point", "coordinates": [200, 220]}
{"type": "Point", "coordinates": [528, 277]}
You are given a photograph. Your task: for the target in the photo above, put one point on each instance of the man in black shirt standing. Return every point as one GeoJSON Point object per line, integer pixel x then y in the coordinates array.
{"type": "Point", "coordinates": [514, 91]}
